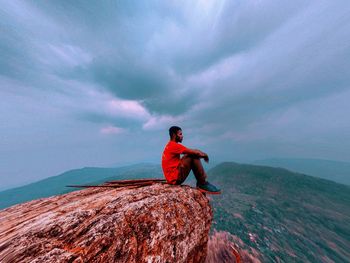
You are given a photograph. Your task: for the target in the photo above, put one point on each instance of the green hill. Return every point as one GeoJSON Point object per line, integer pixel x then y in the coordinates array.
{"type": "Point", "coordinates": [288, 217]}
{"type": "Point", "coordinates": [89, 175]}
{"type": "Point", "coordinates": [332, 170]}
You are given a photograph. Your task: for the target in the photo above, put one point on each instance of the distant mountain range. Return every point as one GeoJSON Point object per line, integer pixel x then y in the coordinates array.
{"type": "Point", "coordinates": [285, 216]}
{"type": "Point", "coordinates": [332, 170]}
{"type": "Point", "coordinates": [89, 175]}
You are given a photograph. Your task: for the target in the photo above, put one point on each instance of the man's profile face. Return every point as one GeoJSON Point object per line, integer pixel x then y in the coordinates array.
{"type": "Point", "coordinates": [179, 137]}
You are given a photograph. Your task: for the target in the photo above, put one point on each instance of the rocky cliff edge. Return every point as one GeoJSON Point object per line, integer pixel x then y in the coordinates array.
{"type": "Point", "coordinates": [157, 223]}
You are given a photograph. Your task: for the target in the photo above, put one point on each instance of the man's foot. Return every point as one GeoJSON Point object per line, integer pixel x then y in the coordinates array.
{"type": "Point", "coordinates": [208, 188]}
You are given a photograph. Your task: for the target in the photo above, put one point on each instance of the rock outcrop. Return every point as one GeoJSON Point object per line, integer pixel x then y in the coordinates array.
{"type": "Point", "coordinates": [157, 223]}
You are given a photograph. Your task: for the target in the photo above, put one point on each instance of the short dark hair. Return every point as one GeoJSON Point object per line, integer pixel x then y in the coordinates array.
{"type": "Point", "coordinates": [174, 130]}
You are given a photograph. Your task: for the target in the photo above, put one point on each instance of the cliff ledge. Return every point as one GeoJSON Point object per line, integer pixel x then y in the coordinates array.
{"type": "Point", "coordinates": [157, 223]}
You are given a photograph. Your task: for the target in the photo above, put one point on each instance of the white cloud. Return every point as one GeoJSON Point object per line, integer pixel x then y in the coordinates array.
{"type": "Point", "coordinates": [161, 122]}
{"type": "Point", "coordinates": [127, 108]}
{"type": "Point", "coordinates": [218, 71]}
{"type": "Point", "coordinates": [67, 54]}
{"type": "Point", "coordinates": [112, 130]}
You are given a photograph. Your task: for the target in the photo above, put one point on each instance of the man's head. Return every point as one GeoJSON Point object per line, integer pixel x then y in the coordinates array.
{"type": "Point", "coordinates": [175, 134]}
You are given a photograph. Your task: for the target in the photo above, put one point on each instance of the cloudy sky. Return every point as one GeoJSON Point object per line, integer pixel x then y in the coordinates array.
{"type": "Point", "coordinates": [98, 83]}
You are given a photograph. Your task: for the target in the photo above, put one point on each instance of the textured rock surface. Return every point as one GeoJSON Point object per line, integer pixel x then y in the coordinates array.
{"type": "Point", "coordinates": [158, 223]}
{"type": "Point", "coordinates": [224, 247]}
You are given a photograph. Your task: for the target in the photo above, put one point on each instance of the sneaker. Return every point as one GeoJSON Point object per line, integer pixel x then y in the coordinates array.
{"type": "Point", "coordinates": [208, 188]}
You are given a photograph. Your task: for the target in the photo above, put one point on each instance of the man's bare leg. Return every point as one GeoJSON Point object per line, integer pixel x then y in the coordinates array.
{"type": "Point", "coordinates": [189, 163]}
{"type": "Point", "coordinates": [199, 171]}
{"type": "Point", "coordinates": [184, 168]}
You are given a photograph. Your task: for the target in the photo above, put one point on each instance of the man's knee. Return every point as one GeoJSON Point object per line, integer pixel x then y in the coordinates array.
{"type": "Point", "coordinates": [196, 161]}
{"type": "Point", "coordinates": [190, 157]}
{"type": "Point", "coordinates": [186, 160]}
{"type": "Point", "coordinates": [186, 156]}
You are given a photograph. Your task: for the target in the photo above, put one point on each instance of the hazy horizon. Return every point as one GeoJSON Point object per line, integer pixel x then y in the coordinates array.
{"type": "Point", "coordinates": [99, 84]}
{"type": "Point", "coordinates": [207, 167]}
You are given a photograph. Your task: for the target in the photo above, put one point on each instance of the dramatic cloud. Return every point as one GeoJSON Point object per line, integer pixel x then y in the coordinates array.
{"type": "Point", "coordinates": [100, 83]}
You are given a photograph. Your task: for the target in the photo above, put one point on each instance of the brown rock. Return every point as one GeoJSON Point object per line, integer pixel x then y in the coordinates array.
{"type": "Point", "coordinates": [158, 223]}
{"type": "Point", "coordinates": [224, 247]}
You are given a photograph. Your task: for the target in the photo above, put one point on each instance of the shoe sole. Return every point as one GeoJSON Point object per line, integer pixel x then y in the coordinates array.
{"type": "Point", "coordinates": [208, 192]}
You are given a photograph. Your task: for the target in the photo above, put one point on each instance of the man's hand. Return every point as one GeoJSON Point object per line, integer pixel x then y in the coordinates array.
{"type": "Point", "coordinates": [204, 156]}
{"type": "Point", "coordinates": [197, 153]}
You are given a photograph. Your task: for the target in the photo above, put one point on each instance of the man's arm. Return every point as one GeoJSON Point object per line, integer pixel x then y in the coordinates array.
{"type": "Point", "coordinates": [197, 153]}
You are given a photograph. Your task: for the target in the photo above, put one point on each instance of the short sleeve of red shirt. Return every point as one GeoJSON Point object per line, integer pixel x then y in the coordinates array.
{"type": "Point", "coordinates": [171, 160]}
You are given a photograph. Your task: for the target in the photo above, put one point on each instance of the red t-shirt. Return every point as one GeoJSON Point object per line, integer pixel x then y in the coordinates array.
{"type": "Point", "coordinates": [171, 160]}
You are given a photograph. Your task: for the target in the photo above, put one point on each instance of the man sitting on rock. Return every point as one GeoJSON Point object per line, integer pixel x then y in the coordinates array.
{"type": "Point", "coordinates": [177, 169]}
